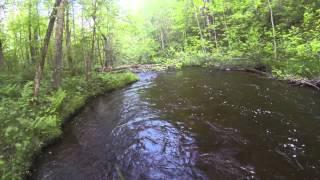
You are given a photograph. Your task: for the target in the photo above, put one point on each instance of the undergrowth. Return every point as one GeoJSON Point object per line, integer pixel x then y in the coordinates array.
{"type": "Point", "coordinates": [27, 124]}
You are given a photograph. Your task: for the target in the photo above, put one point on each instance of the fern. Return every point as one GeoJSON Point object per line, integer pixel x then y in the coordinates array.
{"type": "Point", "coordinates": [46, 122]}
{"type": "Point", "coordinates": [57, 99]}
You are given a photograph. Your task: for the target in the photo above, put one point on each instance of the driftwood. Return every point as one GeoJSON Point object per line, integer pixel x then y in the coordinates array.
{"type": "Point", "coordinates": [133, 68]}
{"type": "Point", "coordinates": [258, 72]}
{"type": "Point", "coordinates": [297, 82]}
{"type": "Point", "coordinates": [116, 69]}
{"type": "Point", "coordinates": [303, 82]}
{"type": "Point", "coordinates": [250, 70]}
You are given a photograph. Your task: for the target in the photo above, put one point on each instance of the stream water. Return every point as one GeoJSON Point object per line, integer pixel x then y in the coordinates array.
{"type": "Point", "coordinates": [191, 124]}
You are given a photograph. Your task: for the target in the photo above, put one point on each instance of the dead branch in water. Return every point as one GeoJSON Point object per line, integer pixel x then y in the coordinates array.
{"type": "Point", "coordinates": [303, 82]}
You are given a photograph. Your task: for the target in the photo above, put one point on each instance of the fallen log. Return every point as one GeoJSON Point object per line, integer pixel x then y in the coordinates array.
{"type": "Point", "coordinates": [140, 68]}
{"type": "Point", "coordinates": [257, 72]}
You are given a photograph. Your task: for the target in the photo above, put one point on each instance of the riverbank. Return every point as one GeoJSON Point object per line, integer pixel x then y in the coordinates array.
{"type": "Point", "coordinates": [279, 69]}
{"type": "Point", "coordinates": [290, 79]}
{"type": "Point", "coordinates": [259, 69]}
{"type": "Point", "coordinates": [28, 124]}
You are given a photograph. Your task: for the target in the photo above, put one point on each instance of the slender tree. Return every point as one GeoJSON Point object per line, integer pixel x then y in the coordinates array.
{"type": "Point", "coordinates": [1, 54]}
{"type": "Point", "coordinates": [215, 32]}
{"type": "Point", "coordinates": [1, 38]}
{"type": "Point", "coordinates": [44, 50]}
{"type": "Point", "coordinates": [68, 37]}
{"type": "Point", "coordinates": [90, 59]}
{"type": "Point", "coordinates": [199, 27]}
{"type": "Point", "coordinates": [30, 31]}
{"type": "Point", "coordinates": [273, 29]}
{"type": "Point", "coordinates": [58, 53]}
{"type": "Point", "coordinates": [226, 27]}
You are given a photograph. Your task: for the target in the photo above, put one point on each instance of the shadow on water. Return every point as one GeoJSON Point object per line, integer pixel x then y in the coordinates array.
{"type": "Point", "coordinates": [192, 124]}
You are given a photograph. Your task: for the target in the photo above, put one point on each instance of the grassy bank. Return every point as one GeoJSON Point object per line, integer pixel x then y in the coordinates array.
{"type": "Point", "coordinates": [280, 68]}
{"type": "Point", "coordinates": [27, 124]}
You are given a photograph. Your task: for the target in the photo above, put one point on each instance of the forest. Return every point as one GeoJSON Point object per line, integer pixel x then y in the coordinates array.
{"type": "Point", "coordinates": [57, 54]}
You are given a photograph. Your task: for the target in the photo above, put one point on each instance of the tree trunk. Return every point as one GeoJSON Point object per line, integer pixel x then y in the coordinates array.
{"type": "Point", "coordinates": [2, 6]}
{"type": "Point", "coordinates": [226, 27]}
{"type": "Point", "coordinates": [162, 39]}
{"type": "Point", "coordinates": [273, 30]}
{"type": "Point", "coordinates": [99, 52]}
{"type": "Point", "coordinates": [1, 54]}
{"type": "Point", "coordinates": [44, 50]}
{"type": "Point", "coordinates": [199, 27]}
{"type": "Point", "coordinates": [68, 38]}
{"type": "Point", "coordinates": [200, 32]}
{"type": "Point", "coordinates": [92, 53]}
{"type": "Point", "coordinates": [37, 32]}
{"type": "Point", "coordinates": [108, 52]}
{"type": "Point", "coordinates": [31, 42]}
{"type": "Point", "coordinates": [58, 54]}
{"type": "Point", "coordinates": [210, 24]}
{"type": "Point", "coordinates": [215, 33]}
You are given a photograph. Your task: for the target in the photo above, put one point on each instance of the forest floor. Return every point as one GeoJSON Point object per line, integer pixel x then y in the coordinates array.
{"type": "Point", "coordinates": [28, 124]}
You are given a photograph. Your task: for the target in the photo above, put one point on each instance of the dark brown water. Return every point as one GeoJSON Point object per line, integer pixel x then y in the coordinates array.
{"type": "Point", "coordinates": [192, 124]}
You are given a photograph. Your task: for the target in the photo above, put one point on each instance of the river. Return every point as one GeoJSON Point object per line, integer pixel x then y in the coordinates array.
{"type": "Point", "coordinates": [191, 124]}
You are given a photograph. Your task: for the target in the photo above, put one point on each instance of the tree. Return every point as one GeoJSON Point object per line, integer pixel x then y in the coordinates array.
{"type": "Point", "coordinates": [1, 40]}
{"type": "Point", "coordinates": [1, 54]}
{"type": "Point", "coordinates": [108, 63]}
{"type": "Point", "coordinates": [273, 30]}
{"type": "Point", "coordinates": [44, 50]}
{"type": "Point", "coordinates": [59, 37]}
{"type": "Point", "coordinates": [199, 27]}
{"type": "Point", "coordinates": [32, 41]}
{"type": "Point", "coordinates": [92, 52]}
{"type": "Point", "coordinates": [68, 37]}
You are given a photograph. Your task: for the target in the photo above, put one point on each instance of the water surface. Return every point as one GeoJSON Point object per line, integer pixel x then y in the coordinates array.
{"type": "Point", "coordinates": [192, 124]}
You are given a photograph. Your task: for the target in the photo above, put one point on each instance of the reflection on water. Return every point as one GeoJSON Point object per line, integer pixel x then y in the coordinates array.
{"type": "Point", "coordinates": [192, 124]}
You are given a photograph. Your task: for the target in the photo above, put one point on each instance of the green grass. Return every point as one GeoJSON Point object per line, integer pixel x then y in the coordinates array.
{"type": "Point", "coordinates": [27, 124]}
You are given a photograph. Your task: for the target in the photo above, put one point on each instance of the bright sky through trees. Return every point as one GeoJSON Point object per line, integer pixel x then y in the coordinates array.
{"type": "Point", "coordinates": [131, 6]}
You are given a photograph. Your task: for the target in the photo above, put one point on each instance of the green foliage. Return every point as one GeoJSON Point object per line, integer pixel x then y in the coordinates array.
{"type": "Point", "coordinates": [238, 30]}
{"type": "Point", "coordinates": [27, 123]}
{"type": "Point", "coordinates": [57, 99]}
{"type": "Point", "coordinates": [173, 33]}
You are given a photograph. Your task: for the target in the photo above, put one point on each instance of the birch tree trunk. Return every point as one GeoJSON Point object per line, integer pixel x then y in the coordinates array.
{"type": "Point", "coordinates": [59, 51]}
{"type": "Point", "coordinates": [215, 32]}
{"type": "Point", "coordinates": [273, 30]}
{"type": "Point", "coordinates": [199, 27]}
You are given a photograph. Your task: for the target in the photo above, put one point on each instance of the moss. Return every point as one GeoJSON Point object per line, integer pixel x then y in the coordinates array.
{"type": "Point", "coordinates": [29, 124]}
